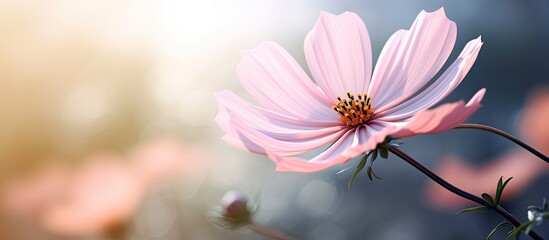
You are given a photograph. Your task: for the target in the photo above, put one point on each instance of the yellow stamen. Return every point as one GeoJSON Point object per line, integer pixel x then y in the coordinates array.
{"type": "Point", "coordinates": [354, 111]}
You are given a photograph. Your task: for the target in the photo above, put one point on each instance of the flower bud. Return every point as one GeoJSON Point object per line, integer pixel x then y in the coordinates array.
{"type": "Point", "coordinates": [235, 208]}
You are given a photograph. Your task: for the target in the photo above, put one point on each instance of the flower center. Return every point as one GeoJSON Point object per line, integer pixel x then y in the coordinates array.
{"type": "Point", "coordinates": [354, 111]}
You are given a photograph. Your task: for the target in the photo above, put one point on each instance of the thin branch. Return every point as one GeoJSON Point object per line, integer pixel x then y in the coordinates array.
{"type": "Point", "coordinates": [266, 231]}
{"type": "Point", "coordinates": [460, 192]}
{"type": "Point", "coordinates": [505, 135]}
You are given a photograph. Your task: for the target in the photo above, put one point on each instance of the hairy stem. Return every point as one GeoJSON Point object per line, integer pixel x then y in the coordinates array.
{"type": "Point", "coordinates": [460, 192]}
{"type": "Point", "coordinates": [505, 135]}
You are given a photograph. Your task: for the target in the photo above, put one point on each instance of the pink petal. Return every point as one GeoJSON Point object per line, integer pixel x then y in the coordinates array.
{"type": "Point", "coordinates": [350, 145]}
{"type": "Point", "coordinates": [442, 118]}
{"type": "Point", "coordinates": [283, 147]}
{"type": "Point", "coordinates": [256, 130]}
{"type": "Point", "coordinates": [227, 100]}
{"type": "Point", "coordinates": [339, 54]}
{"type": "Point", "coordinates": [440, 89]}
{"type": "Point", "coordinates": [223, 119]}
{"type": "Point", "coordinates": [275, 80]}
{"type": "Point", "coordinates": [410, 59]}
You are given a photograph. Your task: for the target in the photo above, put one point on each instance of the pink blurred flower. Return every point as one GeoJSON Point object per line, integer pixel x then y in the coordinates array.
{"type": "Point", "coordinates": [523, 166]}
{"type": "Point", "coordinates": [348, 104]}
{"type": "Point", "coordinates": [100, 195]}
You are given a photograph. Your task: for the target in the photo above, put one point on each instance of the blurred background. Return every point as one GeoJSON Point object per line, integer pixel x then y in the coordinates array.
{"type": "Point", "coordinates": [107, 131]}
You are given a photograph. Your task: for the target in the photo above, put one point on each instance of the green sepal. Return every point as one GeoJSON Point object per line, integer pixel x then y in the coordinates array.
{"type": "Point", "coordinates": [384, 152]}
{"type": "Point", "coordinates": [488, 198]}
{"type": "Point", "coordinates": [474, 209]}
{"type": "Point", "coordinates": [500, 226]}
{"type": "Point", "coordinates": [359, 168]}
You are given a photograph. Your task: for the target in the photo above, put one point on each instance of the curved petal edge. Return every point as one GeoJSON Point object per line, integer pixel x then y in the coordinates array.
{"type": "Point", "coordinates": [442, 118]}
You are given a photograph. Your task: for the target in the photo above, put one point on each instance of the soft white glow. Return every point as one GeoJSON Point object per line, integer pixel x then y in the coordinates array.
{"type": "Point", "coordinates": [190, 26]}
{"type": "Point", "coordinates": [85, 104]}
{"type": "Point", "coordinates": [318, 198]}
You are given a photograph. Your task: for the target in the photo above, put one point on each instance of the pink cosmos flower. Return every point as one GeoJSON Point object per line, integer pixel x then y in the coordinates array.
{"type": "Point", "coordinates": [347, 105]}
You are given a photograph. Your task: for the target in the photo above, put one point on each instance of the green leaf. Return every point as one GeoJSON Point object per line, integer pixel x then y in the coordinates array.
{"type": "Point", "coordinates": [384, 152]}
{"type": "Point", "coordinates": [488, 198]}
{"type": "Point", "coordinates": [370, 170]}
{"type": "Point", "coordinates": [529, 228]}
{"type": "Point", "coordinates": [359, 168]}
{"type": "Point", "coordinates": [371, 173]}
{"type": "Point", "coordinates": [374, 154]}
{"type": "Point", "coordinates": [505, 183]}
{"type": "Point", "coordinates": [499, 189]}
{"type": "Point", "coordinates": [519, 229]}
{"type": "Point", "coordinates": [474, 209]}
{"type": "Point", "coordinates": [500, 182]}
{"type": "Point", "coordinates": [499, 227]}
{"type": "Point", "coordinates": [509, 233]}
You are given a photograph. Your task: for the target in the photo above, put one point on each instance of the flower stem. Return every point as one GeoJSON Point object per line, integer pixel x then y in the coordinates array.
{"type": "Point", "coordinates": [505, 135]}
{"type": "Point", "coordinates": [266, 231]}
{"type": "Point", "coordinates": [460, 192]}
